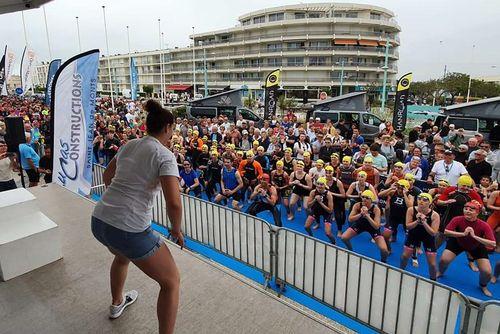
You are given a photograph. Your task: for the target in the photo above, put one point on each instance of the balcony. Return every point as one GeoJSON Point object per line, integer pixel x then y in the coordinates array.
{"type": "Point", "coordinates": [308, 34]}
{"type": "Point", "coordinates": [310, 49]}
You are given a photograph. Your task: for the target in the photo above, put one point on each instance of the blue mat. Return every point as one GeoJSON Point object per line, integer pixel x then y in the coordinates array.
{"type": "Point", "coordinates": [457, 276]}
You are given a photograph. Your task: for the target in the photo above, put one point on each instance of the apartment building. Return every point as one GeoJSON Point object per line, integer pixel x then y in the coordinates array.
{"type": "Point", "coordinates": [317, 46]}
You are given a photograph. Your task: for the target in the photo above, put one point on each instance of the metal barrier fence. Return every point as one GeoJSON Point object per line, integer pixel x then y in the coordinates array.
{"type": "Point", "coordinates": [380, 296]}
{"type": "Point", "coordinates": [238, 235]}
{"type": "Point", "coordinates": [484, 319]}
{"type": "Point", "coordinates": [383, 297]}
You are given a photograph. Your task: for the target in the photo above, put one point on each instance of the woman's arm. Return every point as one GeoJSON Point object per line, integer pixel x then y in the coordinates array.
{"type": "Point", "coordinates": [170, 187]}
{"type": "Point", "coordinates": [109, 172]}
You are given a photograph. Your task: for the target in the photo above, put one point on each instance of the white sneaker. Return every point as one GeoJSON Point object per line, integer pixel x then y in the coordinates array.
{"type": "Point", "coordinates": [129, 298]}
{"type": "Point", "coordinates": [414, 263]}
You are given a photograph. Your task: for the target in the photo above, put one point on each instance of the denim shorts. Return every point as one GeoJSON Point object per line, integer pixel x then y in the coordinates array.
{"type": "Point", "coordinates": [134, 246]}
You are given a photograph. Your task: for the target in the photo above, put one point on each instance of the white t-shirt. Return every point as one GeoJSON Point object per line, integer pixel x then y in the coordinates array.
{"type": "Point", "coordinates": [449, 172]}
{"type": "Point", "coordinates": [127, 203]}
{"type": "Point", "coordinates": [302, 146]}
{"type": "Point", "coordinates": [5, 170]}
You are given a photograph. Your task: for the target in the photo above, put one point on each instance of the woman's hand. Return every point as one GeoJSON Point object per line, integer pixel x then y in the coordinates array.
{"type": "Point", "coordinates": [178, 237]}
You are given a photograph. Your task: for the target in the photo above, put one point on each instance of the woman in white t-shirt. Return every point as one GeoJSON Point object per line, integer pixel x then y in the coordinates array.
{"type": "Point", "coordinates": [7, 164]}
{"type": "Point", "coordinates": [121, 220]}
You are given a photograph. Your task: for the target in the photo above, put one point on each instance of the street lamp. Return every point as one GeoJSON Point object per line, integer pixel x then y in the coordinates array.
{"type": "Point", "coordinates": [47, 32]}
{"type": "Point", "coordinates": [385, 68]}
{"type": "Point", "coordinates": [194, 66]}
{"type": "Point", "coordinates": [470, 75]}
{"type": "Point", "coordinates": [78, 34]}
{"type": "Point", "coordinates": [109, 56]}
{"type": "Point", "coordinates": [341, 76]}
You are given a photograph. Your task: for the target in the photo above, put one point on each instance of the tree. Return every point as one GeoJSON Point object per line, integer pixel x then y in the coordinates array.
{"type": "Point", "coordinates": [148, 89]}
{"type": "Point", "coordinates": [284, 103]}
{"type": "Point", "coordinates": [249, 102]}
{"type": "Point", "coordinates": [455, 84]}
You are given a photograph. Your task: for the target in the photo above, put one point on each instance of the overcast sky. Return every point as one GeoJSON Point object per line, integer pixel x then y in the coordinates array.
{"type": "Point", "coordinates": [459, 24]}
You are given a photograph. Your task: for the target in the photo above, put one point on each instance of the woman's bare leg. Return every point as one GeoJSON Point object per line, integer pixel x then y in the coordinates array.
{"type": "Point", "coordinates": [161, 267]}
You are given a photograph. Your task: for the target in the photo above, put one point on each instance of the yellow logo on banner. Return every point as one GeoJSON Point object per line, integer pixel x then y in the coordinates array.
{"type": "Point", "coordinates": [405, 81]}
{"type": "Point", "coordinates": [273, 78]}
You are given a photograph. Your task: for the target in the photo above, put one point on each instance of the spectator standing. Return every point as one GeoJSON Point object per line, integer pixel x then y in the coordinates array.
{"type": "Point", "coordinates": [447, 169]}
{"type": "Point", "coordinates": [30, 161]}
{"type": "Point", "coordinates": [7, 165]}
{"type": "Point", "coordinates": [478, 167]}
{"type": "Point", "coordinates": [379, 161]}
{"type": "Point", "coordinates": [46, 165]}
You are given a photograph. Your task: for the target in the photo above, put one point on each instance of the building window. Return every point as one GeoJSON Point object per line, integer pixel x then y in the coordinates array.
{"type": "Point", "coordinates": [256, 62]}
{"type": "Point", "coordinates": [317, 61]}
{"type": "Point", "coordinates": [314, 15]}
{"type": "Point", "coordinates": [274, 47]}
{"type": "Point", "coordinates": [226, 76]}
{"type": "Point", "coordinates": [351, 15]}
{"type": "Point", "coordinates": [337, 14]}
{"type": "Point", "coordinates": [375, 16]}
{"type": "Point", "coordinates": [299, 16]}
{"type": "Point", "coordinates": [276, 17]}
{"type": "Point", "coordinates": [259, 19]}
{"type": "Point", "coordinates": [295, 61]}
{"type": "Point", "coordinates": [295, 45]}
{"type": "Point", "coordinates": [274, 62]}
{"type": "Point", "coordinates": [246, 22]}
{"type": "Point", "coordinates": [319, 45]}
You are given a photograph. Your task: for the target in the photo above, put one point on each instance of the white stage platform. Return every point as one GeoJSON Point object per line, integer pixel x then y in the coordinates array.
{"type": "Point", "coordinates": [72, 295]}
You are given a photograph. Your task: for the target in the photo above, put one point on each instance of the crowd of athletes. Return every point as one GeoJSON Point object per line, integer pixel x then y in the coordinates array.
{"type": "Point", "coordinates": [438, 186]}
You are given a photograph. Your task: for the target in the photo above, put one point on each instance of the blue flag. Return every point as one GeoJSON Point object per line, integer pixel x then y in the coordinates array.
{"type": "Point", "coordinates": [53, 67]}
{"type": "Point", "coordinates": [74, 91]}
{"type": "Point", "coordinates": [133, 79]}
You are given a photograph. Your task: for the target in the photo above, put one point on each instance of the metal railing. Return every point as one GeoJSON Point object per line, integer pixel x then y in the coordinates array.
{"type": "Point", "coordinates": [385, 298]}
{"type": "Point", "coordinates": [238, 235]}
{"type": "Point", "coordinates": [382, 297]}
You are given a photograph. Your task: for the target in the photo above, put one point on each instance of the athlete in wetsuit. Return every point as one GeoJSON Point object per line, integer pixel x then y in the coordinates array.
{"type": "Point", "coordinates": [395, 211]}
{"type": "Point", "coordinates": [302, 185]}
{"type": "Point", "coordinates": [212, 174]}
{"type": "Point", "coordinates": [288, 161]}
{"type": "Point", "coordinates": [265, 198]}
{"type": "Point", "coordinates": [231, 183]}
{"type": "Point", "coordinates": [470, 234]}
{"type": "Point", "coordinates": [365, 217]}
{"type": "Point", "coordinates": [354, 191]}
{"type": "Point", "coordinates": [320, 204]}
{"type": "Point", "coordinates": [422, 223]}
{"type": "Point", "coordinates": [280, 180]}
{"type": "Point", "coordinates": [250, 170]}
{"type": "Point", "coordinates": [338, 192]}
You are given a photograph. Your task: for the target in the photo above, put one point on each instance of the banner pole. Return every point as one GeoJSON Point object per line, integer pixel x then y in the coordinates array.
{"type": "Point", "coordinates": [47, 32]}
{"type": "Point", "coordinates": [109, 60]}
{"type": "Point", "coordinates": [385, 68]}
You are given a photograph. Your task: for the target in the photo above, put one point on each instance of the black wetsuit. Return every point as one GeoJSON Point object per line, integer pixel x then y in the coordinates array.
{"type": "Point", "coordinates": [419, 234]}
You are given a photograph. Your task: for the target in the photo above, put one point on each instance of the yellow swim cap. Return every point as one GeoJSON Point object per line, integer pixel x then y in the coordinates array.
{"type": "Point", "coordinates": [321, 180]}
{"type": "Point", "coordinates": [425, 195]}
{"type": "Point", "coordinates": [404, 183]}
{"type": "Point", "coordinates": [465, 180]}
{"type": "Point", "coordinates": [369, 194]}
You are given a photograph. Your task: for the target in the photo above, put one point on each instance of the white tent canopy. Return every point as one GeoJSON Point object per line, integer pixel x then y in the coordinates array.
{"type": "Point", "coordinates": [10, 6]}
